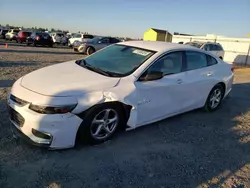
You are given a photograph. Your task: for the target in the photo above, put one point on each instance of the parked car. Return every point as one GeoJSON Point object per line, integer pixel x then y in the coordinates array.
{"type": "Point", "coordinates": [39, 38]}
{"type": "Point", "coordinates": [57, 37]}
{"type": "Point", "coordinates": [3, 32]}
{"type": "Point", "coordinates": [92, 45]}
{"type": "Point", "coordinates": [76, 45]}
{"type": "Point", "coordinates": [79, 37]}
{"type": "Point", "coordinates": [64, 40]}
{"type": "Point", "coordinates": [11, 34]}
{"type": "Point", "coordinates": [22, 36]}
{"type": "Point", "coordinates": [214, 48]}
{"type": "Point", "coordinates": [128, 85]}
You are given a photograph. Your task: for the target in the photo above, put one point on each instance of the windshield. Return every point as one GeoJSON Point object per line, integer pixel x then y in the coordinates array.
{"type": "Point", "coordinates": [120, 60]}
{"type": "Point", "coordinates": [76, 35]}
{"type": "Point", "coordinates": [194, 44]}
{"type": "Point", "coordinates": [43, 34]}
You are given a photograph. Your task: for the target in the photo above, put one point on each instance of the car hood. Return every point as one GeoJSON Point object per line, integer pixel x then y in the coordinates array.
{"type": "Point", "coordinates": [66, 79]}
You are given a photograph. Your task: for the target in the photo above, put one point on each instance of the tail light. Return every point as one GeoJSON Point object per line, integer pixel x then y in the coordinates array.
{"type": "Point", "coordinates": [37, 38]}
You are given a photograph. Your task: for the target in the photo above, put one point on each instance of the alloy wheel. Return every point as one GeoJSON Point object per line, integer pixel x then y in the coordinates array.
{"type": "Point", "coordinates": [215, 98]}
{"type": "Point", "coordinates": [104, 124]}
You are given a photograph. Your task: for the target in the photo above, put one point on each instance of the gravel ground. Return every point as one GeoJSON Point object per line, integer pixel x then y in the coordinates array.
{"type": "Point", "coordinates": [195, 149]}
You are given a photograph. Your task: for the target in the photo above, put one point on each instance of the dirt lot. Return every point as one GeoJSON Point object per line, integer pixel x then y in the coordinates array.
{"type": "Point", "coordinates": [196, 149]}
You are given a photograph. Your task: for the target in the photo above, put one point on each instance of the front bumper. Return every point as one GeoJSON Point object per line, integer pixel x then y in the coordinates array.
{"type": "Point", "coordinates": [56, 131]}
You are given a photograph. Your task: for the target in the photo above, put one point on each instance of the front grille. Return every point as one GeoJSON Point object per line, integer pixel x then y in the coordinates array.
{"type": "Point", "coordinates": [16, 117]}
{"type": "Point", "coordinates": [18, 101]}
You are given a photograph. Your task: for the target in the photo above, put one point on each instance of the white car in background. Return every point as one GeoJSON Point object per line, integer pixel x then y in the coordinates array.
{"type": "Point", "coordinates": [79, 37]}
{"type": "Point", "coordinates": [11, 34]}
{"type": "Point", "coordinates": [125, 85]}
{"type": "Point", "coordinates": [212, 47]}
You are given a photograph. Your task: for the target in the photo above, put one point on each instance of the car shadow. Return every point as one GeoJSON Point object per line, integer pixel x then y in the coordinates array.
{"type": "Point", "coordinates": [14, 43]}
{"type": "Point", "coordinates": [17, 64]}
{"type": "Point", "coordinates": [242, 61]}
{"type": "Point", "coordinates": [6, 83]}
{"type": "Point", "coordinates": [195, 149]}
{"type": "Point", "coordinates": [35, 51]}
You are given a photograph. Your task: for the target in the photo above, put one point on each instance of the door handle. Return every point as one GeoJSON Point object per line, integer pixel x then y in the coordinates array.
{"type": "Point", "coordinates": [209, 74]}
{"type": "Point", "coordinates": [179, 81]}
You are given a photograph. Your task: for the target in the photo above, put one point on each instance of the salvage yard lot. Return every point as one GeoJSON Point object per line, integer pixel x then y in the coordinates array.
{"type": "Point", "coordinates": [195, 149]}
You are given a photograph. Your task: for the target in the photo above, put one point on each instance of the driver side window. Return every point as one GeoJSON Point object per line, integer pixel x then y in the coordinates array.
{"type": "Point", "coordinates": [104, 41]}
{"type": "Point", "coordinates": [168, 64]}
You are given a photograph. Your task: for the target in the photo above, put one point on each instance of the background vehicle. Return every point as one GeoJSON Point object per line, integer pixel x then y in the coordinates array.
{"type": "Point", "coordinates": [214, 48]}
{"type": "Point", "coordinates": [3, 32]}
{"type": "Point", "coordinates": [57, 37]}
{"type": "Point", "coordinates": [76, 45]}
{"type": "Point", "coordinates": [22, 36]}
{"type": "Point", "coordinates": [92, 45]}
{"type": "Point", "coordinates": [40, 38]}
{"type": "Point", "coordinates": [11, 34]}
{"type": "Point", "coordinates": [79, 37]}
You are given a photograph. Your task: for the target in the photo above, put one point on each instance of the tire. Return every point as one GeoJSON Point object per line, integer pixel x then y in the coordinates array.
{"type": "Point", "coordinates": [215, 97]}
{"type": "Point", "coordinates": [28, 44]}
{"type": "Point", "coordinates": [90, 50]}
{"type": "Point", "coordinates": [87, 132]}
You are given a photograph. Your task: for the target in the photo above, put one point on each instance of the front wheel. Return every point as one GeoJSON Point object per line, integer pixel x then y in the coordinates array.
{"type": "Point", "coordinates": [101, 123]}
{"type": "Point", "coordinates": [214, 98]}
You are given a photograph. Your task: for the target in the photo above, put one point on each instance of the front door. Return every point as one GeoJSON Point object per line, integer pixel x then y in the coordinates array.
{"type": "Point", "coordinates": [164, 97]}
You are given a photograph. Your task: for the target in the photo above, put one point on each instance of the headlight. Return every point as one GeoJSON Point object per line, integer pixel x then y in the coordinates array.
{"type": "Point", "coordinates": [52, 110]}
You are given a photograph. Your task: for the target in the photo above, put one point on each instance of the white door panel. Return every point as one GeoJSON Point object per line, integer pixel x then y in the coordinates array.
{"type": "Point", "coordinates": [202, 81]}
{"type": "Point", "coordinates": [160, 98]}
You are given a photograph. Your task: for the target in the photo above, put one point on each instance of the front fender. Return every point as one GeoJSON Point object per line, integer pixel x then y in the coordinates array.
{"type": "Point", "coordinates": [91, 99]}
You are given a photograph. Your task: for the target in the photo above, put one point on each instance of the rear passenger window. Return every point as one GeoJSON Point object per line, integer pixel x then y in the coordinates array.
{"type": "Point", "coordinates": [195, 60]}
{"type": "Point", "coordinates": [211, 60]}
{"type": "Point", "coordinates": [219, 48]}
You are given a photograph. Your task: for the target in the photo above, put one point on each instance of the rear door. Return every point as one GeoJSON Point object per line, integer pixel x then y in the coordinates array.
{"type": "Point", "coordinates": [200, 73]}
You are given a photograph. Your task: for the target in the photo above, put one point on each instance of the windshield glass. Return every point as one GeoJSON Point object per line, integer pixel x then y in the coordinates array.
{"type": "Point", "coordinates": [118, 59]}
{"type": "Point", "coordinates": [194, 44]}
{"type": "Point", "coordinates": [76, 35]}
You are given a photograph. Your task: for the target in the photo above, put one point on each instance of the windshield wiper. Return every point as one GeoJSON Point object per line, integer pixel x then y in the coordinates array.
{"type": "Point", "coordinates": [95, 69]}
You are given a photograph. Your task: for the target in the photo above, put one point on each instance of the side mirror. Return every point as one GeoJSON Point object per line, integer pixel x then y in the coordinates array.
{"type": "Point", "coordinates": [154, 75]}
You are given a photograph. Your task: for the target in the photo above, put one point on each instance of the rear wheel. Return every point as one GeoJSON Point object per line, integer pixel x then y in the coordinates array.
{"type": "Point", "coordinates": [101, 123]}
{"type": "Point", "coordinates": [90, 50]}
{"type": "Point", "coordinates": [214, 98]}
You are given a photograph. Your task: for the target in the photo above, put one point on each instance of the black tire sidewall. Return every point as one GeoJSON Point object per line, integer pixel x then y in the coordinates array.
{"type": "Point", "coordinates": [207, 105]}
{"type": "Point", "coordinates": [84, 129]}
{"type": "Point", "coordinates": [92, 50]}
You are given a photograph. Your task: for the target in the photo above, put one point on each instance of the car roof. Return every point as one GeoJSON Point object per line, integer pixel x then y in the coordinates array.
{"type": "Point", "coordinates": [157, 45]}
{"type": "Point", "coordinates": [199, 42]}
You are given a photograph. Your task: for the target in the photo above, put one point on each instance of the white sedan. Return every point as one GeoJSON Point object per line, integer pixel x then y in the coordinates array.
{"type": "Point", "coordinates": [125, 85]}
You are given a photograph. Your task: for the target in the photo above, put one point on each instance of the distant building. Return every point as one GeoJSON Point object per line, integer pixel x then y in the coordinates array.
{"type": "Point", "coordinates": [157, 35]}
